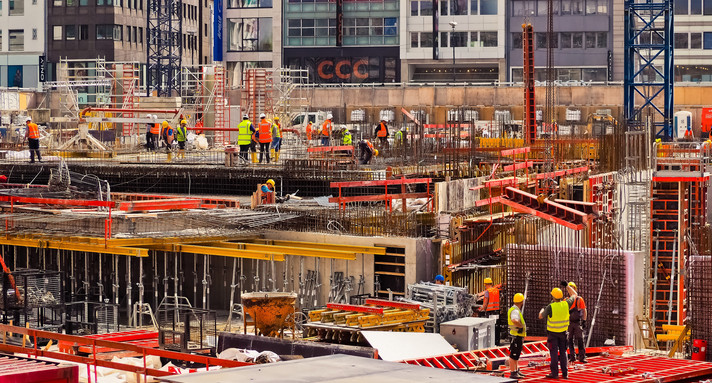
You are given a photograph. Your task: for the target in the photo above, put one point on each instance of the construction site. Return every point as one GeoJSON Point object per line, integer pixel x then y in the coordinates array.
{"type": "Point", "coordinates": [127, 261]}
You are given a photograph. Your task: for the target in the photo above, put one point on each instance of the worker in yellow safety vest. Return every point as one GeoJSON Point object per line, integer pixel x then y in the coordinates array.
{"type": "Point", "coordinates": [557, 322]}
{"type": "Point", "coordinates": [276, 139]}
{"type": "Point", "coordinates": [244, 136]}
{"type": "Point", "coordinates": [33, 139]}
{"type": "Point", "coordinates": [518, 331]}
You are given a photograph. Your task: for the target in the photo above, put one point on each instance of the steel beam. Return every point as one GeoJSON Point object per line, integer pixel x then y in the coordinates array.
{"type": "Point", "coordinates": [304, 252]}
{"type": "Point", "coordinates": [73, 246]}
{"type": "Point", "coordinates": [328, 246]}
{"type": "Point", "coordinates": [220, 251]}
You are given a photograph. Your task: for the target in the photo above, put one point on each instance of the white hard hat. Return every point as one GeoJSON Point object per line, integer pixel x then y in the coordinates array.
{"type": "Point", "coordinates": [245, 116]}
{"type": "Point", "coordinates": [262, 115]}
{"type": "Point", "coordinates": [329, 116]}
{"type": "Point", "coordinates": [28, 119]}
{"type": "Point", "coordinates": [155, 116]}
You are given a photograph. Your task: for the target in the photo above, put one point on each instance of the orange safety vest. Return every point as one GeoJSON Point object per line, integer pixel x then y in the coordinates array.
{"type": "Point", "coordinates": [370, 145]}
{"type": "Point", "coordinates": [33, 131]}
{"type": "Point", "coordinates": [265, 131]}
{"type": "Point", "coordinates": [382, 132]}
{"type": "Point", "coordinates": [493, 301]}
{"type": "Point", "coordinates": [309, 131]}
{"type": "Point", "coordinates": [156, 129]}
{"type": "Point", "coordinates": [326, 128]}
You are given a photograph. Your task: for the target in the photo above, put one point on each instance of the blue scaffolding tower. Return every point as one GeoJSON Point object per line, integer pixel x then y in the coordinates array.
{"type": "Point", "coordinates": [649, 43]}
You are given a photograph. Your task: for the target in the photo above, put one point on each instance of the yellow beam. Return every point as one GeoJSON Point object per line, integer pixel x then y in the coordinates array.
{"type": "Point", "coordinates": [327, 246]}
{"type": "Point", "coordinates": [219, 251]}
{"type": "Point", "coordinates": [301, 251]}
{"type": "Point", "coordinates": [71, 246]}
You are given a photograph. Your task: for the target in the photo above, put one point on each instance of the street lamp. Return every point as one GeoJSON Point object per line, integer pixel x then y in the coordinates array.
{"type": "Point", "coordinates": [452, 42]}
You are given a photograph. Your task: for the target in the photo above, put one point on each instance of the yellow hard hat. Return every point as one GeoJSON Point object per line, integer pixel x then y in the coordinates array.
{"type": "Point", "coordinates": [183, 122]}
{"type": "Point", "coordinates": [488, 280]}
{"type": "Point", "coordinates": [573, 285]}
{"type": "Point", "coordinates": [375, 152]}
{"type": "Point", "coordinates": [164, 123]}
{"type": "Point", "coordinates": [276, 118]}
{"type": "Point", "coordinates": [518, 297]}
{"type": "Point", "coordinates": [270, 181]}
{"type": "Point", "coordinates": [557, 293]}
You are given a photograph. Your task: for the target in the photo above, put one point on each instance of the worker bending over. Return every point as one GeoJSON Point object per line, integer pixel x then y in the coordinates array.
{"type": "Point", "coordinates": [518, 331]}
{"type": "Point", "coordinates": [557, 321]}
{"type": "Point", "coordinates": [268, 193]}
{"type": "Point", "coordinates": [367, 151]}
{"type": "Point", "coordinates": [577, 324]}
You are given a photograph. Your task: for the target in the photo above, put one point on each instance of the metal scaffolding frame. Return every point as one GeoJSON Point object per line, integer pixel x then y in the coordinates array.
{"type": "Point", "coordinates": [164, 48]}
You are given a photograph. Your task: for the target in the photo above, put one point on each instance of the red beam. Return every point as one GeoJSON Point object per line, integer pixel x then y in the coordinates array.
{"type": "Point", "coordinates": [488, 201]}
{"type": "Point", "coordinates": [528, 210]}
{"type": "Point", "coordinates": [58, 201]}
{"type": "Point", "coordinates": [355, 308]}
{"type": "Point", "coordinates": [161, 204]}
{"type": "Point", "coordinates": [584, 207]}
{"type": "Point", "coordinates": [560, 173]}
{"type": "Point", "coordinates": [329, 148]}
{"type": "Point", "coordinates": [518, 165]}
{"type": "Point", "coordinates": [681, 179]}
{"type": "Point", "coordinates": [512, 152]}
{"type": "Point", "coordinates": [378, 197]}
{"type": "Point", "coordinates": [400, 181]}
{"type": "Point", "coordinates": [551, 211]}
{"type": "Point", "coordinates": [387, 303]}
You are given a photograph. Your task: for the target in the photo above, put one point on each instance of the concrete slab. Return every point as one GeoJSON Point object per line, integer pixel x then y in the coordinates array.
{"type": "Point", "coordinates": [332, 369]}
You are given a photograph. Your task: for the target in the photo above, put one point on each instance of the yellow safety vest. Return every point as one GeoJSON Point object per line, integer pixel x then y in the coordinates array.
{"type": "Point", "coordinates": [245, 135]}
{"type": "Point", "coordinates": [514, 330]}
{"type": "Point", "coordinates": [559, 320]}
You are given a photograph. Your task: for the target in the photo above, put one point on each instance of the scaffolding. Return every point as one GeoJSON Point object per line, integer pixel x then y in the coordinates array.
{"type": "Point", "coordinates": [205, 100]}
{"type": "Point", "coordinates": [273, 92]}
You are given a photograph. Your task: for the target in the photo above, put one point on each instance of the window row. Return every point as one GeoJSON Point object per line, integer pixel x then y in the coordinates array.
{"type": "Point", "coordinates": [249, 4]}
{"type": "Point", "coordinates": [485, 39]}
{"type": "Point", "coordinates": [454, 7]}
{"type": "Point", "coordinates": [377, 26]}
{"type": "Point", "coordinates": [249, 34]}
{"type": "Point", "coordinates": [562, 7]}
{"type": "Point", "coordinates": [565, 40]}
{"type": "Point", "coordinates": [693, 7]}
{"type": "Point", "coordinates": [311, 27]}
{"type": "Point", "coordinates": [693, 40]}
{"type": "Point", "coordinates": [564, 74]}
{"type": "Point", "coordinates": [17, 7]}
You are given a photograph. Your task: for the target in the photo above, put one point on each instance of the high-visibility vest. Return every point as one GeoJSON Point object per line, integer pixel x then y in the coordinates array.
{"type": "Point", "coordinates": [33, 131]}
{"type": "Point", "coordinates": [309, 131]}
{"type": "Point", "coordinates": [399, 137]}
{"type": "Point", "coordinates": [382, 132]}
{"type": "Point", "coordinates": [347, 139]}
{"type": "Point", "coordinates": [276, 130]}
{"type": "Point", "coordinates": [326, 128]}
{"type": "Point", "coordinates": [167, 134]}
{"type": "Point", "coordinates": [156, 129]}
{"type": "Point", "coordinates": [559, 320]}
{"type": "Point", "coordinates": [514, 330]}
{"type": "Point", "coordinates": [370, 145]}
{"type": "Point", "coordinates": [181, 133]}
{"type": "Point", "coordinates": [576, 309]}
{"type": "Point", "coordinates": [493, 301]}
{"type": "Point", "coordinates": [265, 134]}
{"type": "Point", "coordinates": [243, 137]}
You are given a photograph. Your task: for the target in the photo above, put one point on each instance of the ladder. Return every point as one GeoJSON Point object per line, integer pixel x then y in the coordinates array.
{"type": "Point", "coordinates": [221, 118]}
{"type": "Point", "coordinates": [647, 332]}
{"type": "Point", "coordinates": [128, 88]}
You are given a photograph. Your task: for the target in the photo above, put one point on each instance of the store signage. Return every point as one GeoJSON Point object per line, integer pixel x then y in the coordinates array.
{"type": "Point", "coordinates": [344, 69]}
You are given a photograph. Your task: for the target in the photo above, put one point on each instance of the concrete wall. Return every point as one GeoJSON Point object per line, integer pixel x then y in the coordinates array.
{"type": "Point", "coordinates": [453, 196]}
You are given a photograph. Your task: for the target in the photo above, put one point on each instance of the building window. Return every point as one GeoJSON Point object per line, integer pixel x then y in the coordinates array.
{"type": "Point", "coordinates": [565, 40]}
{"type": "Point", "coordinates": [83, 32]}
{"type": "Point", "coordinates": [523, 8]}
{"type": "Point", "coordinates": [590, 40]}
{"type": "Point", "coordinates": [17, 8]}
{"type": "Point", "coordinates": [253, 34]}
{"type": "Point", "coordinates": [414, 39]}
{"type": "Point", "coordinates": [443, 40]}
{"type": "Point", "coordinates": [83, 3]}
{"type": "Point", "coordinates": [426, 39]}
{"type": "Point", "coordinates": [128, 33]}
{"type": "Point", "coordinates": [458, 7]}
{"type": "Point", "coordinates": [695, 7]}
{"type": "Point", "coordinates": [135, 31]}
{"type": "Point", "coordinates": [426, 8]}
{"type": "Point", "coordinates": [71, 3]}
{"type": "Point", "coordinates": [0, 40]}
{"type": "Point", "coordinates": [489, 39]}
{"type": "Point", "coordinates": [473, 7]}
{"type": "Point", "coordinates": [109, 32]}
{"type": "Point", "coordinates": [541, 7]}
{"type": "Point", "coordinates": [17, 40]}
{"type": "Point", "coordinates": [488, 7]}
{"type": "Point", "coordinates": [70, 32]}
{"type": "Point", "coordinates": [140, 35]}
{"type": "Point", "coordinates": [681, 7]}
{"type": "Point", "coordinates": [57, 3]}
{"type": "Point", "coordinates": [516, 40]}
{"type": "Point", "coordinates": [707, 10]}
{"type": "Point", "coordinates": [707, 40]}
{"type": "Point", "coordinates": [577, 40]}
{"type": "Point", "coordinates": [541, 40]}
{"type": "Point", "coordinates": [573, 7]}
{"type": "Point", "coordinates": [414, 8]}
{"type": "Point", "coordinates": [695, 40]}
{"type": "Point", "coordinates": [681, 41]}
{"type": "Point", "coordinates": [602, 40]}
{"type": "Point", "coordinates": [57, 32]}
{"type": "Point", "coordinates": [459, 39]}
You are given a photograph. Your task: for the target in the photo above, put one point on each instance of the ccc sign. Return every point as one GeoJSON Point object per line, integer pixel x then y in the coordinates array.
{"type": "Point", "coordinates": [343, 69]}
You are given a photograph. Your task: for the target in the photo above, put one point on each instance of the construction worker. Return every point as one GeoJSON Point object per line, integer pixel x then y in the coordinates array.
{"type": "Point", "coordinates": [33, 139]}
{"type": "Point", "coordinates": [399, 138]}
{"type": "Point", "coordinates": [367, 151]}
{"type": "Point", "coordinates": [705, 131]}
{"type": "Point", "coordinates": [577, 323]}
{"type": "Point", "coordinates": [276, 139]}
{"type": "Point", "coordinates": [346, 137]}
{"type": "Point", "coordinates": [167, 135]}
{"type": "Point", "coordinates": [326, 130]}
{"type": "Point", "coordinates": [382, 133]}
{"type": "Point", "coordinates": [264, 136]}
{"type": "Point", "coordinates": [309, 132]}
{"type": "Point", "coordinates": [244, 136]}
{"type": "Point", "coordinates": [557, 321]}
{"type": "Point", "coordinates": [269, 195]}
{"type": "Point", "coordinates": [490, 304]}
{"type": "Point", "coordinates": [518, 331]}
{"type": "Point", "coordinates": [182, 137]}
{"type": "Point", "coordinates": [149, 135]}
{"type": "Point", "coordinates": [155, 133]}
{"type": "Point", "coordinates": [439, 279]}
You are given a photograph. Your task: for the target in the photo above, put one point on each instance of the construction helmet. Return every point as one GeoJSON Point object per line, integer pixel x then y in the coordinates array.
{"type": "Point", "coordinates": [276, 118]}
{"type": "Point", "coordinates": [262, 115]}
{"type": "Point", "coordinates": [329, 116]}
{"type": "Point", "coordinates": [518, 297]}
{"type": "Point", "coordinates": [573, 285]}
{"type": "Point", "coordinates": [245, 117]}
{"type": "Point", "coordinates": [440, 278]}
{"type": "Point", "coordinates": [164, 123]}
{"type": "Point", "coordinates": [375, 152]}
{"type": "Point", "coordinates": [28, 119]}
{"type": "Point", "coordinates": [488, 280]}
{"type": "Point", "coordinates": [183, 122]}
{"type": "Point", "coordinates": [557, 293]}
{"type": "Point", "coordinates": [270, 182]}
{"type": "Point", "coordinates": [311, 122]}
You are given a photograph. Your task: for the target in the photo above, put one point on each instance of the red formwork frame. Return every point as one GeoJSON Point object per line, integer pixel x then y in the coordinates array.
{"type": "Point", "coordinates": [528, 203]}
{"type": "Point", "coordinates": [470, 360]}
{"type": "Point", "coordinates": [387, 198]}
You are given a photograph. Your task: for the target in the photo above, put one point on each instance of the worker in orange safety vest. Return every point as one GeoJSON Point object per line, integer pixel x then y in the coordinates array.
{"type": "Point", "coordinates": [382, 133]}
{"type": "Point", "coordinates": [264, 136]}
{"type": "Point", "coordinates": [33, 139]}
{"type": "Point", "coordinates": [326, 130]}
{"type": "Point", "coordinates": [490, 304]}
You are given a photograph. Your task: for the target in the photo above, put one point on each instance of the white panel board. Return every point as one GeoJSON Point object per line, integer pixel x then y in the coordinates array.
{"type": "Point", "coordinates": [397, 346]}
